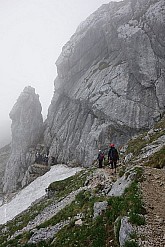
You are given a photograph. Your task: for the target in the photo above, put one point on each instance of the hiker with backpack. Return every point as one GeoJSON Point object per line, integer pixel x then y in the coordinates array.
{"type": "Point", "coordinates": [113, 157]}
{"type": "Point", "coordinates": [100, 158]}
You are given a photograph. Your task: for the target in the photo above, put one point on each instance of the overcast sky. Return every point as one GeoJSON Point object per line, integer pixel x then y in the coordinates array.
{"type": "Point", "coordinates": [32, 34]}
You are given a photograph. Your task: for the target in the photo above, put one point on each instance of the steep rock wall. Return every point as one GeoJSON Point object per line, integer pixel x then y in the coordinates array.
{"type": "Point", "coordinates": [111, 80]}
{"type": "Point", "coordinates": [27, 124]}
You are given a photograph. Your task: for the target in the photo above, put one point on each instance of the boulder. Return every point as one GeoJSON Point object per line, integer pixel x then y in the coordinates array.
{"type": "Point", "coordinates": [99, 207]}
{"type": "Point", "coordinates": [121, 184]}
{"type": "Point", "coordinates": [125, 230]}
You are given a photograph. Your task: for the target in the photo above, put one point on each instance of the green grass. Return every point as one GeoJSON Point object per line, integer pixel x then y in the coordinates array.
{"type": "Point", "coordinates": [130, 243]}
{"type": "Point", "coordinates": [89, 234]}
{"type": "Point", "coordinates": [121, 170]}
{"type": "Point", "coordinates": [160, 124]}
{"type": "Point", "coordinates": [135, 145]}
{"type": "Point", "coordinates": [137, 219]}
{"type": "Point", "coordinates": [40, 244]}
{"type": "Point", "coordinates": [18, 241]}
{"type": "Point", "coordinates": [22, 220]}
{"type": "Point", "coordinates": [157, 160]}
{"type": "Point", "coordinates": [131, 200]}
{"type": "Point", "coordinates": [66, 186]}
{"type": "Point", "coordinates": [62, 188]}
{"type": "Point", "coordinates": [83, 204]}
{"type": "Point", "coordinates": [138, 174]}
{"type": "Point", "coordinates": [94, 233]}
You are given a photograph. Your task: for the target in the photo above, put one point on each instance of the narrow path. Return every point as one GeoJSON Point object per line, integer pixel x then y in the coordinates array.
{"type": "Point", "coordinates": [153, 191]}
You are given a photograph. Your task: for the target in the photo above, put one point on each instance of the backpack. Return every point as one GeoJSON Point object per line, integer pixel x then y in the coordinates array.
{"type": "Point", "coordinates": [113, 154]}
{"type": "Point", "coordinates": [101, 156]}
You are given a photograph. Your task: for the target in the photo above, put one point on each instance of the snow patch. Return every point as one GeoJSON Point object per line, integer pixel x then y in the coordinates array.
{"type": "Point", "coordinates": [34, 191]}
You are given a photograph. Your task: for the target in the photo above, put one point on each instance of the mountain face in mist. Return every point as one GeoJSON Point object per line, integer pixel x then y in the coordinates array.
{"type": "Point", "coordinates": [5, 133]}
{"type": "Point", "coordinates": [111, 80]}
{"type": "Point", "coordinates": [27, 124]}
{"type": "Point", "coordinates": [110, 85]}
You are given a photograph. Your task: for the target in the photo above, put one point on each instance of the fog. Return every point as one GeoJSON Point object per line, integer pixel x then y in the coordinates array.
{"type": "Point", "coordinates": [32, 35]}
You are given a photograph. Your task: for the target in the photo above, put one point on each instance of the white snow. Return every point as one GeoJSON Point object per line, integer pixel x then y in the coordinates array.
{"type": "Point", "coordinates": [34, 191]}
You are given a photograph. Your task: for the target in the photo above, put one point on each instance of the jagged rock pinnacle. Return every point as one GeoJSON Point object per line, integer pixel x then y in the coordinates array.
{"type": "Point", "coordinates": [27, 124]}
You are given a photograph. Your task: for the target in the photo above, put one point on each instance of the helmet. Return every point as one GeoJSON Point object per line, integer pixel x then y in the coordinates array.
{"type": "Point", "coordinates": [111, 145]}
{"type": "Point", "coordinates": [99, 150]}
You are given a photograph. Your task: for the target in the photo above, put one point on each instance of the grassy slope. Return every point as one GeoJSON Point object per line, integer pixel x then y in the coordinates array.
{"type": "Point", "coordinates": [99, 232]}
{"type": "Point", "coordinates": [135, 146]}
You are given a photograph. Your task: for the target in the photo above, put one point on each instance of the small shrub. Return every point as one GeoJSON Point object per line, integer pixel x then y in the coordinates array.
{"type": "Point", "coordinates": [160, 124]}
{"type": "Point", "coordinates": [136, 145]}
{"type": "Point", "coordinates": [122, 171]}
{"type": "Point", "coordinates": [118, 206]}
{"type": "Point", "coordinates": [139, 174]}
{"type": "Point", "coordinates": [157, 160]}
{"type": "Point", "coordinates": [61, 188]}
{"type": "Point", "coordinates": [133, 235]}
{"type": "Point", "coordinates": [137, 219]}
{"type": "Point", "coordinates": [131, 243]}
{"type": "Point", "coordinates": [82, 198]}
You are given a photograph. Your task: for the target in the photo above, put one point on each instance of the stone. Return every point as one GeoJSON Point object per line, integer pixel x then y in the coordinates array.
{"type": "Point", "coordinates": [128, 157]}
{"type": "Point", "coordinates": [78, 222]}
{"type": "Point", "coordinates": [125, 230]}
{"type": "Point", "coordinates": [121, 184]}
{"type": "Point", "coordinates": [27, 126]}
{"type": "Point", "coordinates": [46, 233]}
{"type": "Point", "coordinates": [99, 207]}
{"type": "Point", "coordinates": [110, 82]}
{"type": "Point", "coordinates": [152, 148]}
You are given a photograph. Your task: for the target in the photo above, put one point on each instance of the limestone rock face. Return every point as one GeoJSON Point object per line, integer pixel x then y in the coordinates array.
{"type": "Point", "coordinates": [111, 80]}
{"type": "Point", "coordinates": [27, 124]}
{"type": "Point", "coordinates": [4, 156]}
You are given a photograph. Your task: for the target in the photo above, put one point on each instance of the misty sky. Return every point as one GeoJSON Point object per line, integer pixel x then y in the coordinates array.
{"type": "Point", "coordinates": [32, 34]}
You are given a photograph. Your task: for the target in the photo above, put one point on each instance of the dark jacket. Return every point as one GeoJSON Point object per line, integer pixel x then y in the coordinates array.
{"type": "Point", "coordinates": [113, 154]}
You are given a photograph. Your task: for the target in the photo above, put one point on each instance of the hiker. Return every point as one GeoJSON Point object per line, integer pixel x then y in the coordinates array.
{"type": "Point", "coordinates": [45, 159]}
{"type": "Point", "coordinates": [100, 158]}
{"type": "Point", "coordinates": [53, 161]}
{"type": "Point", "coordinates": [113, 157]}
{"type": "Point", "coordinates": [37, 158]}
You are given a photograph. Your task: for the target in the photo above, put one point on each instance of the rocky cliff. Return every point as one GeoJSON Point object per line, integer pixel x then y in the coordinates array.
{"type": "Point", "coordinates": [4, 156]}
{"type": "Point", "coordinates": [27, 124]}
{"type": "Point", "coordinates": [111, 80]}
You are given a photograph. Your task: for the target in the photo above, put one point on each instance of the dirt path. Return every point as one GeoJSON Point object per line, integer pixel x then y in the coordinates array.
{"type": "Point", "coordinates": [153, 191]}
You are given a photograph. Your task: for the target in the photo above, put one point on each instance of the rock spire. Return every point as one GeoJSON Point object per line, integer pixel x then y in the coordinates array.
{"type": "Point", "coordinates": [27, 124]}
